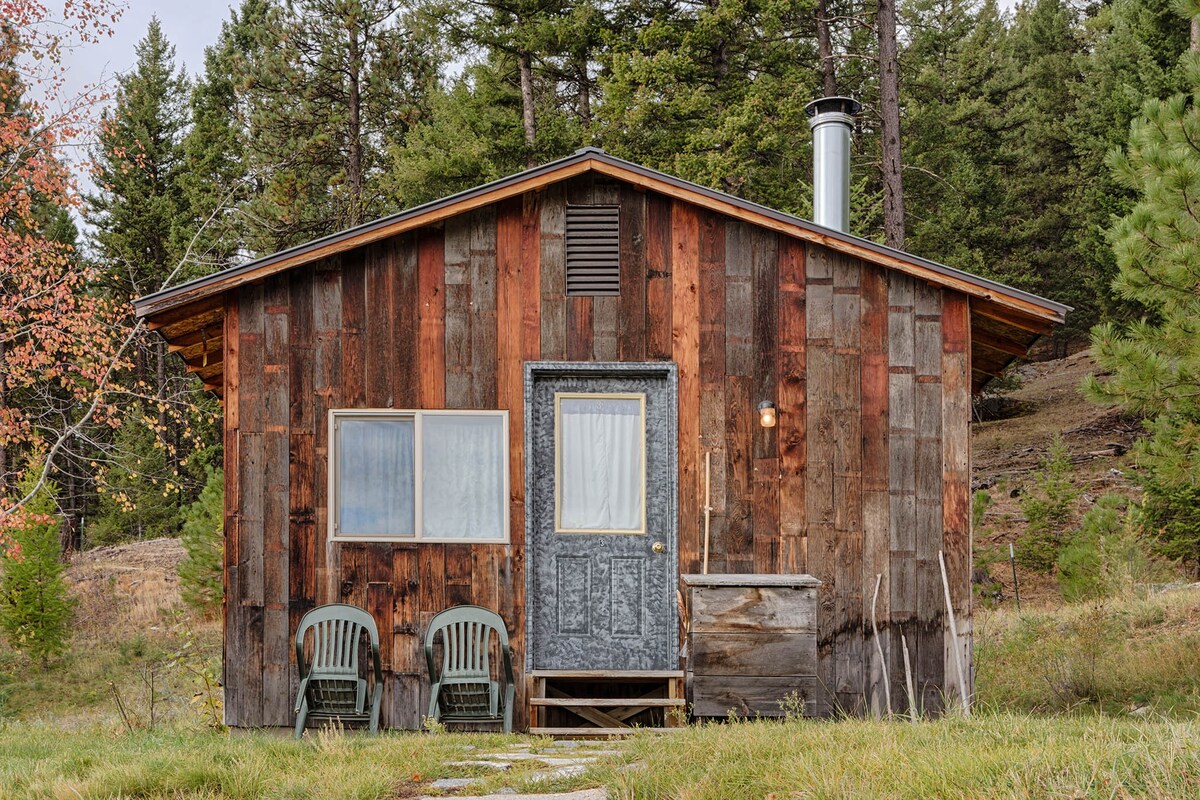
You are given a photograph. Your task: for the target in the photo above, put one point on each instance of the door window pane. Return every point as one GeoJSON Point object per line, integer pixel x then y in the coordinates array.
{"type": "Point", "coordinates": [375, 477]}
{"type": "Point", "coordinates": [463, 463]}
{"type": "Point", "coordinates": [601, 463]}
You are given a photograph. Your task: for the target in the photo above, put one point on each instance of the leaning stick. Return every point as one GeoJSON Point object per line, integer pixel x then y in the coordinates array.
{"type": "Point", "coordinates": [912, 697]}
{"type": "Point", "coordinates": [887, 686]}
{"type": "Point", "coordinates": [958, 665]}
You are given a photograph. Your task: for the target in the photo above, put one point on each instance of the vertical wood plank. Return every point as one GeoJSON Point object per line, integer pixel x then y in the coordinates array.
{"type": "Point", "coordinates": [737, 541]}
{"type": "Point", "coordinates": [403, 263]}
{"type": "Point", "coordinates": [458, 312]}
{"type": "Point", "coordinates": [847, 480]}
{"type": "Point", "coordinates": [483, 309]}
{"type": "Point", "coordinates": [231, 661]}
{"type": "Point", "coordinates": [876, 536]}
{"type": "Point", "coordinates": [712, 377]}
{"type": "Point", "coordinates": [765, 290]}
{"type": "Point", "coordinates": [820, 438]}
{"type": "Point", "coordinates": [792, 407]}
{"type": "Point", "coordinates": [379, 324]}
{"type": "Point", "coordinates": [659, 322]}
{"type": "Point", "coordinates": [431, 318]}
{"type": "Point", "coordinates": [956, 479]}
{"type": "Point", "coordinates": [631, 327]}
{"type": "Point", "coordinates": [685, 336]}
{"type": "Point", "coordinates": [902, 511]}
{"type": "Point", "coordinates": [930, 665]}
{"type": "Point", "coordinates": [276, 708]}
{"type": "Point", "coordinates": [605, 307]}
{"type": "Point", "coordinates": [552, 274]}
{"type": "Point", "coordinates": [327, 394]}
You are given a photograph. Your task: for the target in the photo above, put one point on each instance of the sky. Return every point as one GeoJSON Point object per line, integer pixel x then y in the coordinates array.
{"type": "Point", "coordinates": [191, 25]}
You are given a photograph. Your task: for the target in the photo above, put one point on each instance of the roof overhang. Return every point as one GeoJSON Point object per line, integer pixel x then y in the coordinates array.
{"type": "Point", "coordinates": [188, 314]}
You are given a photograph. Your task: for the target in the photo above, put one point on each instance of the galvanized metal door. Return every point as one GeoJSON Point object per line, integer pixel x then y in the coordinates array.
{"type": "Point", "coordinates": [601, 593]}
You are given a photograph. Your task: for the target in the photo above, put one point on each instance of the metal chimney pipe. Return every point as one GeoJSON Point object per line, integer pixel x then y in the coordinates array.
{"type": "Point", "coordinates": [831, 120]}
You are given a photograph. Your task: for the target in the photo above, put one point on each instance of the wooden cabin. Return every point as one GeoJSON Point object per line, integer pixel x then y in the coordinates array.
{"type": "Point", "coordinates": [530, 396]}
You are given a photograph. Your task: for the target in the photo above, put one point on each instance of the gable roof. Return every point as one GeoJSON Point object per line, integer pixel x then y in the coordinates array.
{"type": "Point", "coordinates": [183, 313]}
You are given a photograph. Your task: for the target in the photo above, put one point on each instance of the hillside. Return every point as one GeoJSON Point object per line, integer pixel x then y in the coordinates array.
{"type": "Point", "coordinates": [1007, 452]}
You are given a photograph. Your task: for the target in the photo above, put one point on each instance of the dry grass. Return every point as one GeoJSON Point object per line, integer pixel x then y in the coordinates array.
{"type": "Point", "coordinates": [1136, 654]}
{"type": "Point", "coordinates": [995, 756]}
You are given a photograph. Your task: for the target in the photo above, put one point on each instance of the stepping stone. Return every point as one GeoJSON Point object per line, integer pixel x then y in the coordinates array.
{"type": "Point", "coordinates": [453, 783]}
{"type": "Point", "coordinates": [569, 771]}
{"type": "Point", "coordinates": [553, 761]}
{"type": "Point", "coordinates": [500, 765]}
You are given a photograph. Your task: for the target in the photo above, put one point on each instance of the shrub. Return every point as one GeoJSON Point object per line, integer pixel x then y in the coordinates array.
{"type": "Point", "coordinates": [200, 573]}
{"type": "Point", "coordinates": [1108, 554]}
{"type": "Point", "coordinates": [35, 608]}
{"type": "Point", "coordinates": [1047, 508]}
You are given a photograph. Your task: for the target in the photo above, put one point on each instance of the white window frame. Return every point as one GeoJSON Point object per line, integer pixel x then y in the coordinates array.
{"type": "Point", "coordinates": [416, 415]}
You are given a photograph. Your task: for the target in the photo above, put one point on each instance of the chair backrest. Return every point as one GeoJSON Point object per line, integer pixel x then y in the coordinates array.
{"type": "Point", "coordinates": [466, 640]}
{"type": "Point", "coordinates": [336, 629]}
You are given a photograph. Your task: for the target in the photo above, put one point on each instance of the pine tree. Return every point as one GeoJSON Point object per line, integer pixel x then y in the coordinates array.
{"type": "Point", "coordinates": [35, 607]}
{"type": "Point", "coordinates": [139, 206]}
{"type": "Point", "coordinates": [1155, 362]}
{"type": "Point", "coordinates": [139, 496]}
{"type": "Point", "coordinates": [200, 573]}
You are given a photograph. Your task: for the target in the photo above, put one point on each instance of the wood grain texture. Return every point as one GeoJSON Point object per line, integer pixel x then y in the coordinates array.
{"type": "Point", "coordinates": [792, 408]}
{"type": "Point", "coordinates": [865, 474]}
{"type": "Point", "coordinates": [685, 338]}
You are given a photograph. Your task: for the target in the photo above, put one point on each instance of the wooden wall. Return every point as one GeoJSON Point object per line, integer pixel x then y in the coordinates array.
{"type": "Point", "coordinates": [865, 474]}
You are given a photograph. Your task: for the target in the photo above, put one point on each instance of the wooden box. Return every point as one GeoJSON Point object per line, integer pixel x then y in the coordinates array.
{"type": "Point", "coordinates": [752, 645]}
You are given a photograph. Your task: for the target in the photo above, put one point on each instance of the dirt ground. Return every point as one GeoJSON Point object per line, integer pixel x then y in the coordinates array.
{"type": "Point", "coordinates": [1006, 454]}
{"type": "Point", "coordinates": [136, 584]}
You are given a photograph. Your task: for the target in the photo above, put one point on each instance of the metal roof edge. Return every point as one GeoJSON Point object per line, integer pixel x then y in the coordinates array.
{"type": "Point", "coordinates": [1060, 310]}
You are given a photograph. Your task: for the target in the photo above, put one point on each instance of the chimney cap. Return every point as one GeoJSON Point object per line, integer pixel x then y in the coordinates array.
{"type": "Point", "coordinates": [824, 105]}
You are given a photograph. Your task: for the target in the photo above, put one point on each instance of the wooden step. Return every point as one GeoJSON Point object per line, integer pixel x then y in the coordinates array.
{"type": "Point", "coordinates": [607, 702]}
{"type": "Point", "coordinates": [588, 733]}
{"type": "Point", "coordinates": [614, 674]}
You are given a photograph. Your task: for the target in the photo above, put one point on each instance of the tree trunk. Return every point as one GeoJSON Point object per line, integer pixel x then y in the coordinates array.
{"type": "Point", "coordinates": [1195, 44]}
{"type": "Point", "coordinates": [160, 375]}
{"type": "Point", "coordinates": [525, 66]}
{"type": "Point", "coordinates": [585, 97]}
{"type": "Point", "coordinates": [354, 166]}
{"type": "Point", "coordinates": [889, 102]}
{"type": "Point", "coordinates": [825, 50]}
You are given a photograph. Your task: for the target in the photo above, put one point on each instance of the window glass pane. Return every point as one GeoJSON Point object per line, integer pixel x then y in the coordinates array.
{"type": "Point", "coordinates": [600, 459]}
{"type": "Point", "coordinates": [375, 477]}
{"type": "Point", "coordinates": [463, 458]}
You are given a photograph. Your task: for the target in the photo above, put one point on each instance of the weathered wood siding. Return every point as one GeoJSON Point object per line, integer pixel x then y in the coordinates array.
{"type": "Point", "coordinates": [866, 473]}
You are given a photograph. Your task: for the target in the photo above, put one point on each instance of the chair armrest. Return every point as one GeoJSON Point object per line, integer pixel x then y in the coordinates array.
{"type": "Point", "coordinates": [506, 657]}
{"type": "Point", "coordinates": [301, 690]}
{"type": "Point", "coordinates": [378, 667]}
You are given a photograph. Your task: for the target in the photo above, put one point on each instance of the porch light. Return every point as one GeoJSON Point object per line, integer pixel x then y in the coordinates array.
{"type": "Point", "coordinates": [766, 414]}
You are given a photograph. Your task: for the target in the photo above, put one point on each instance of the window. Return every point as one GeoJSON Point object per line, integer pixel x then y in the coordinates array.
{"type": "Point", "coordinates": [600, 463]}
{"type": "Point", "coordinates": [425, 475]}
{"type": "Point", "coordinates": [593, 250]}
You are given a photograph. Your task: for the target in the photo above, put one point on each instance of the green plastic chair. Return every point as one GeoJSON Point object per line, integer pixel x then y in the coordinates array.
{"type": "Point", "coordinates": [330, 685]}
{"type": "Point", "coordinates": [463, 690]}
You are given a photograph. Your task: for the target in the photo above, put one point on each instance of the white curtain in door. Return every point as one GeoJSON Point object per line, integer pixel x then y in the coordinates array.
{"type": "Point", "coordinates": [463, 460]}
{"type": "Point", "coordinates": [601, 471]}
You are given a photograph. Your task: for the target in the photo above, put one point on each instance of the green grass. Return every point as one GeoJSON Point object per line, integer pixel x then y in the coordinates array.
{"type": "Point", "coordinates": [1113, 656]}
{"type": "Point", "coordinates": [995, 755]}
{"type": "Point", "coordinates": [43, 761]}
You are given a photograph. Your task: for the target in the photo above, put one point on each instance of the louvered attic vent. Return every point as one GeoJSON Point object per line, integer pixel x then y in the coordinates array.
{"type": "Point", "coordinates": [593, 250]}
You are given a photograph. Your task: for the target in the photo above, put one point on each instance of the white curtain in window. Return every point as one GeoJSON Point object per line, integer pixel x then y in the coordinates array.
{"type": "Point", "coordinates": [463, 463]}
{"type": "Point", "coordinates": [601, 442]}
{"type": "Point", "coordinates": [375, 489]}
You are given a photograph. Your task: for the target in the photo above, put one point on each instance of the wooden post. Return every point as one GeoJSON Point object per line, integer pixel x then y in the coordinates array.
{"type": "Point", "coordinates": [958, 665]}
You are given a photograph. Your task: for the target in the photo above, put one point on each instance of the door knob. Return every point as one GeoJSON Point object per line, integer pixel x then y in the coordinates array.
{"type": "Point", "coordinates": [658, 547]}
